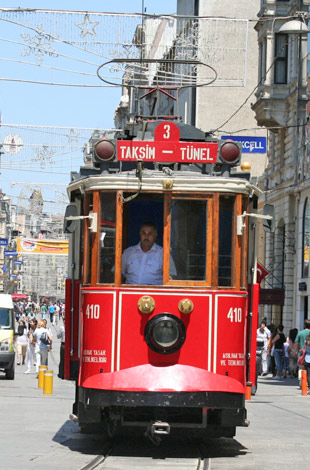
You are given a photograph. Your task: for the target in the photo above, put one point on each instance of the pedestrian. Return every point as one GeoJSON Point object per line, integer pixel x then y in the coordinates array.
{"type": "Point", "coordinates": [43, 310]}
{"type": "Point", "coordinates": [270, 352]}
{"type": "Point", "coordinates": [278, 342]}
{"type": "Point", "coordinates": [41, 336]}
{"type": "Point", "coordinates": [49, 330]}
{"type": "Point", "coordinates": [307, 360]}
{"type": "Point", "coordinates": [16, 312]}
{"type": "Point", "coordinates": [262, 338]}
{"type": "Point", "coordinates": [56, 314]}
{"type": "Point", "coordinates": [61, 336]}
{"type": "Point", "coordinates": [292, 359]}
{"type": "Point", "coordinates": [30, 316]}
{"type": "Point", "coordinates": [21, 342]}
{"type": "Point", "coordinates": [286, 359]}
{"type": "Point", "coordinates": [31, 353]}
{"type": "Point", "coordinates": [51, 310]}
{"type": "Point", "coordinates": [299, 343]}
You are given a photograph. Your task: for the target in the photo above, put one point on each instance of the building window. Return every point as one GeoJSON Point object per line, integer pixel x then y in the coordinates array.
{"type": "Point", "coordinates": [281, 53]}
{"type": "Point", "coordinates": [262, 61]}
{"type": "Point", "coordinates": [306, 239]}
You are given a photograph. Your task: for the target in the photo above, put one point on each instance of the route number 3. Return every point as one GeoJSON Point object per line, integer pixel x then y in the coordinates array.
{"type": "Point", "coordinates": [93, 311]}
{"type": "Point", "coordinates": [235, 315]}
{"type": "Point", "coordinates": [166, 134]}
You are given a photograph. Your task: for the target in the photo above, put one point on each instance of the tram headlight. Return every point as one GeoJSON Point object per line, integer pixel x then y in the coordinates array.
{"type": "Point", "coordinates": [229, 152]}
{"type": "Point", "coordinates": [104, 150]}
{"type": "Point", "coordinates": [165, 333]}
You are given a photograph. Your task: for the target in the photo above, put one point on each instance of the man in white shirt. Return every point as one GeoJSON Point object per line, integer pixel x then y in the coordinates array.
{"type": "Point", "coordinates": [262, 337]}
{"type": "Point", "coordinates": [143, 263]}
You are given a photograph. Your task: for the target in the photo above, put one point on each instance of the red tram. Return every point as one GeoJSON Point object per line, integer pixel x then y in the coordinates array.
{"type": "Point", "coordinates": [176, 354]}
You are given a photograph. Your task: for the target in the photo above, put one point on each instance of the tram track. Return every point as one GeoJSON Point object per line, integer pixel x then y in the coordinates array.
{"type": "Point", "coordinates": [152, 457]}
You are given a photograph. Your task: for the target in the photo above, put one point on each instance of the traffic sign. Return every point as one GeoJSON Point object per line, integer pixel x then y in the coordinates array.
{"type": "Point", "coordinates": [4, 241]}
{"type": "Point", "coordinates": [10, 253]}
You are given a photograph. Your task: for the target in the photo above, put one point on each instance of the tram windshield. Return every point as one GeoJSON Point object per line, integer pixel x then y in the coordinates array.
{"type": "Point", "coordinates": [188, 239]}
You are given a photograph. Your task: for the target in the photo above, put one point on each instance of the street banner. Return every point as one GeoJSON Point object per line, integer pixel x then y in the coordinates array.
{"type": "Point", "coordinates": [43, 247]}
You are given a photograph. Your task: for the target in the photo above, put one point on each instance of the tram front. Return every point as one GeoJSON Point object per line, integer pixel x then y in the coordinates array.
{"type": "Point", "coordinates": [162, 346]}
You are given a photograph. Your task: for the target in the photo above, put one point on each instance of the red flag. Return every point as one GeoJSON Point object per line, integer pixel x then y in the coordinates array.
{"type": "Point", "coordinates": [261, 272]}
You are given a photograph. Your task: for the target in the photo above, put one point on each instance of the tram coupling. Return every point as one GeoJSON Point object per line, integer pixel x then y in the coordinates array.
{"type": "Point", "coordinates": [156, 430]}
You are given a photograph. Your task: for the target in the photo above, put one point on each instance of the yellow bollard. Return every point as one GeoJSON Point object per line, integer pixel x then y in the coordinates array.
{"type": "Point", "coordinates": [41, 376]}
{"type": "Point", "coordinates": [48, 382]}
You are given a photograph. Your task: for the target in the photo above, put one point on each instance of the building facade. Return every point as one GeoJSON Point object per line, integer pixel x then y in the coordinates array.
{"type": "Point", "coordinates": [225, 105]}
{"type": "Point", "coordinates": [281, 107]}
{"type": "Point", "coordinates": [36, 272]}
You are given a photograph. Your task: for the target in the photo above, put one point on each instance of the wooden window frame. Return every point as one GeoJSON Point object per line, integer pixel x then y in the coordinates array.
{"type": "Point", "coordinates": [86, 267]}
{"type": "Point", "coordinates": [208, 199]}
{"type": "Point", "coordinates": [239, 242]}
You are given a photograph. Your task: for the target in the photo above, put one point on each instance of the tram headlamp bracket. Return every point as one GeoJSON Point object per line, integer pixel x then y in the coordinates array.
{"type": "Point", "coordinates": [93, 220]}
{"type": "Point", "coordinates": [241, 224]}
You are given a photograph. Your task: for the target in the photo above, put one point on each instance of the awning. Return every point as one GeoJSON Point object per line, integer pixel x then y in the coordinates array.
{"type": "Point", "coordinates": [20, 297]}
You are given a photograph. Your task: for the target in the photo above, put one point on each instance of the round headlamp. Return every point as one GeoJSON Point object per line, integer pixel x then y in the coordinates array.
{"type": "Point", "coordinates": [165, 333]}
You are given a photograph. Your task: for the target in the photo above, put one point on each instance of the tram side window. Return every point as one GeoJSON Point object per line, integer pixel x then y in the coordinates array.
{"type": "Point", "coordinates": [107, 237]}
{"type": "Point", "coordinates": [225, 240]}
{"type": "Point", "coordinates": [188, 239]}
{"type": "Point", "coordinates": [89, 236]}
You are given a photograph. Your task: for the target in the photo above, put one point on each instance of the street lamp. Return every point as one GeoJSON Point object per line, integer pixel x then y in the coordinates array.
{"type": "Point", "coordinates": [294, 27]}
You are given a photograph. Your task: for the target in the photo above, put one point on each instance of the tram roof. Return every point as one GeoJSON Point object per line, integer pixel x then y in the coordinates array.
{"type": "Point", "coordinates": [158, 181]}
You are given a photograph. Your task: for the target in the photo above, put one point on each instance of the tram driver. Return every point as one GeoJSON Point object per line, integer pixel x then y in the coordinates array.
{"type": "Point", "coordinates": [143, 263]}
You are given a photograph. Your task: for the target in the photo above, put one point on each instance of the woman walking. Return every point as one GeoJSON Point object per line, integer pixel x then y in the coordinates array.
{"type": "Point", "coordinates": [21, 342]}
{"type": "Point", "coordinates": [278, 342]}
{"type": "Point", "coordinates": [43, 339]}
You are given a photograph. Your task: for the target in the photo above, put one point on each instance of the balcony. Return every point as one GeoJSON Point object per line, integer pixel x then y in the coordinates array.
{"type": "Point", "coordinates": [275, 104]}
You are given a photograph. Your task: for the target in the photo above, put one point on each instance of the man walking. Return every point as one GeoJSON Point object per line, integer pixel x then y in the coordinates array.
{"type": "Point", "coordinates": [299, 344]}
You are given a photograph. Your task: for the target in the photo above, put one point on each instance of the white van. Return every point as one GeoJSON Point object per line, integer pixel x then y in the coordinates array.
{"type": "Point", "coordinates": [7, 331]}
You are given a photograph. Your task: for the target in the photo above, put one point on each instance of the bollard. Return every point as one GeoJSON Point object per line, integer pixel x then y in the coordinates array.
{"type": "Point", "coordinates": [248, 391]}
{"type": "Point", "coordinates": [304, 382]}
{"type": "Point", "coordinates": [48, 382]}
{"type": "Point", "coordinates": [41, 376]}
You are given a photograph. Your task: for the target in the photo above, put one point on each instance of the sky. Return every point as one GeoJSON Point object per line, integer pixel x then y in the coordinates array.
{"type": "Point", "coordinates": [49, 124]}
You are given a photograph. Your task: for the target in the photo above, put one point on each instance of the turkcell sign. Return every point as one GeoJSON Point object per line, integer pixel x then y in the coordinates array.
{"type": "Point", "coordinates": [170, 151]}
{"type": "Point", "coordinates": [249, 144]}
{"type": "Point", "coordinates": [4, 241]}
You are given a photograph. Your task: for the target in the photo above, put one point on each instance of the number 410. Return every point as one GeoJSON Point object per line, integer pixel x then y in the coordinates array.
{"type": "Point", "coordinates": [235, 314]}
{"type": "Point", "coordinates": [93, 311]}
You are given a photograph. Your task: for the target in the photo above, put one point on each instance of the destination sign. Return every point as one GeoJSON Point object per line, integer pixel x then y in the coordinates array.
{"type": "Point", "coordinates": [167, 147]}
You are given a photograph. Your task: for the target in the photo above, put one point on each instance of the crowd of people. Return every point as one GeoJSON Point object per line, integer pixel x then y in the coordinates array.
{"type": "Point", "coordinates": [283, 356]}
{"type": "Point", "coordinates": [34, 336]}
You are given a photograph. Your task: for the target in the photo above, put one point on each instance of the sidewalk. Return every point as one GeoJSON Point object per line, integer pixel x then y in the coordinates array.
{"type": "Point", "coordinates": [278, 435]}
{"type": "Point", "coordinates": [35, 431]}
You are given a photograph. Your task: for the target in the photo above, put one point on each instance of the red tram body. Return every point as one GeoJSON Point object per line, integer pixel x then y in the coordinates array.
{"type": "Point", "coordinates": [176, 354]}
